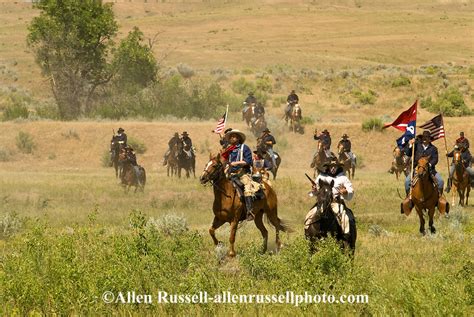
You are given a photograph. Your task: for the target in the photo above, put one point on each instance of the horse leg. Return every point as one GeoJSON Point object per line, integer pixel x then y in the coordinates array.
{"type": "Point", "coordinates": [275, 221]}
{"type": "Point", "coordinates": [233, 231]}
{"type": "Point", "coordinates": [259, 223]}
{"type": "Point", "coordinates": [216, 223]}
{"type": "Point", "coordinates": [431, 212]}
{"type": "Point", "coordinates": [422, 220]}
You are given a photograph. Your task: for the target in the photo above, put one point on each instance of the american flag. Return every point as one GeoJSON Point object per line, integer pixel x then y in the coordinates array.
{"type": "Point", "coordinates": [435, 126]}
{"type": "Point", "coordinates": [221, 124]}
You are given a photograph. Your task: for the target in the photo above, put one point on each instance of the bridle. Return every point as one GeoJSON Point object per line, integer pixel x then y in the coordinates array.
{"type": "Point", "coordinates": [214, 176]}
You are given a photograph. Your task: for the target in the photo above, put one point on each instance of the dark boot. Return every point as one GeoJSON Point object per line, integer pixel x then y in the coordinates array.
{"type": "Point", "coordinates": [249, 208]}
{"type": "Point", "coordinates": [448, 185]}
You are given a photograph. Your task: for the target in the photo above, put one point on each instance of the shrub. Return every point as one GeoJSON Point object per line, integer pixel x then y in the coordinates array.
{"type": "Point", "coordinates": [10, 224]}
{"type": "Point", "coordinates": [170, 224]}
{"type": "Point", "coordinates": [372, 124]}
{"type": "Point", "coordinates": [185, 71]}
{"type": "Point", "coordinates": [15, 111]}
{"type": "Point", "coordinates": [401, 81]}
{"type": "Point", "coordinates": [278, 101]}
{"type": "Point", "coordinates": [242, 86]}
{"type": "Point", "coordinates": [105, 159]}
{"type": "Point", "coordinates": [365, 97]}
{"type": "Point", "coordinates": [264, 84]}
{"type": "Point", "coordinates": [48, 111]}
{"type": "Point", "coordinates": [138, 146]}
{"type": "Point", "coordinates": [25, 143]}
{"type": "Point", "coordinates": [71, 134]}
{"type": "Point", "coordinates": [5, 155]}
{"type": "Point", "coordinates": [449, 103]}
{"type": "Point", "coordinates": [307, 120]}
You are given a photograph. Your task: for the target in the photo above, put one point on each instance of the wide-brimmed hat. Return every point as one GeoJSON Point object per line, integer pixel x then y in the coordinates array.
{"type": "Point", "coordinates": [235, 131]}
{"type": "Point", "coordinates": [426, 135]}
{"type": "Point", "coordinates": [345, 136]}
{"type": "Point", "coordinates": [266, 130]}
{"type": "Point", "coordinates": [120, 130]}
{"type": "Point", "coordinates": [325, 131]}
{"type": "Point", "coordinates": [184, 133]}
{"type": "Point", "coordinates": [331, 162]}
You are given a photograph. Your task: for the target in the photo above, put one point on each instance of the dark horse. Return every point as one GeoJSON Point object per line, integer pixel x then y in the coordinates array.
{"type": "Point", "coordinates": [461, 179]}
{"type": "Point", "coordinates": [400, 163]}
{"type": "Point", "coordinates": [227, 206]}
{"type": "Point", "coordinates": [274, 169]}
{"type": "Point", "coordinates": [324, 222]}
{"type": "Point", "coordinates": [425, 195]}
{"type": "Point", "coordinates": [115, 148]}
{"type": "Point", "coordinates": [348, 165]}
{"type": "Point", "coordinates": [129, 177]}
{"type": "Point", "coordinates": [172, 161]}
{"type": "Point", "coordinates": [186, 161]}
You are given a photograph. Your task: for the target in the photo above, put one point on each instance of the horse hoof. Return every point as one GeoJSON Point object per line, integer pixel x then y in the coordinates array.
{"type": "Point", "coordinates": [231, 254]}
{"type": "Point", "coordinates": [433, 230]}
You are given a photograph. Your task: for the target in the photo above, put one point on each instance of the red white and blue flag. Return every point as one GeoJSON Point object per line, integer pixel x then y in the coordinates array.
{"type": "Point", "coordinates": [221, 124]}
{"type": "Point", "coordinates": [406, 122]}
{"type": "Point", "coordinates": [435, 126]}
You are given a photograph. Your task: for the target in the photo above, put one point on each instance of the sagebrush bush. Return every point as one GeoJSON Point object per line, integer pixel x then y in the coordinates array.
{"type": "Point", "coordinates": [15, 111]}
{"type": "Point", "coordinates": [48, 111]}
{"type": "Point", "coordinates": [10, 224]}
{"type": "Point", "coordinates": [5, 155]}
{"type": "Point", "coordinates": [372, 124]}
{"type": "Point", "coordinates": [401, 81]}
{"type": "Point", "coordinates": [242, 86]}
{"type": "Point", "coordinates": [449, 103]}
{"type": "Point", "coordinates": [365, 98]}
{"type": "Point", "coordinates": [25, 142]}
{"type": "Point", "coordinates": [105, 159]}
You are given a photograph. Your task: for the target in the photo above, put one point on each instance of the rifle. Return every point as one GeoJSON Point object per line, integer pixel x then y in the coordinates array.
{"type": "Point", "coordinates": [312, 182]}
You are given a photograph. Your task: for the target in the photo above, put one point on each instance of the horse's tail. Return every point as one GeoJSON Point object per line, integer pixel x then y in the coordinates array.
{"type": "Point", "coordinates": [281, 225]}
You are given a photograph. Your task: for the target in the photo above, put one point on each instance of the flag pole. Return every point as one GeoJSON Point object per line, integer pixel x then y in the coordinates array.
{"type": "Point", "coordinates": [413, 152]}
{"type": "Point", "coordinates": [445, 146]}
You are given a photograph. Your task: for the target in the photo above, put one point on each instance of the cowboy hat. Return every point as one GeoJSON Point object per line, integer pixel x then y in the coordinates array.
{"type": "Point", "coordinates": [426, 135]}
{"type": "Point", "coordinates": [184, 133]}
{"type": "Point", "coordinates": [345, 136]}
{"type": "Point", "coordinates": [120, 130]}
{"type": "Point", "coordinates": [266, 130]}
{"type": "Point", "coordinates": [240, 134]}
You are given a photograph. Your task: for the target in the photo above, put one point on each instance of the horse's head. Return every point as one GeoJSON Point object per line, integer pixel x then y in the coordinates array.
{"type": "Point", "coordinates": [340, 148]}
{"type": "Point", "coordinates": [324, 195]}
{"type": "Point", "coordinates": [457, 157]}
{"type": "Point", "coordinates": [397, 152]}
{"type": "Point", "coordinates": [423, 167]}
{"type": "Point", "coordinates": [122, 154]}
{"type": "Point", "coordinates": [212, 170]}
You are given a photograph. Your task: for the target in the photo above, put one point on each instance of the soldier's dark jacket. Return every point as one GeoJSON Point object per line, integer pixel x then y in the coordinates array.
{"type": "Point", "coordinates": [431, 151]}
{"type": "Point", "coordinates": [346, 144]}
{"type": "Point", "coordinates": [292, 98]}
{"type": "Point", "coordinates": [465, 156]}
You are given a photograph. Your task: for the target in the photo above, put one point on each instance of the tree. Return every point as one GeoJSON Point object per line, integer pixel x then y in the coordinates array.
{"type": "Point", "coordinates": [71, 41]}
{"type": "Point", "coordinates": [134, 64]}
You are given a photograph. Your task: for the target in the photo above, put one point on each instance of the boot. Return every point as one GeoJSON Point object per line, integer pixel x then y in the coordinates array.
{"type": "Point", "coordinates": [249, 208]}
{"type": "Point", "coordinates": [448, 185]}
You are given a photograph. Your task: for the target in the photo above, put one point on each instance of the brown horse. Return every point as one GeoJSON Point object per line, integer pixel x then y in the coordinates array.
{"type": "Point", "coordinates": [115, 148]}
{"type": "Point", "coordinates": [319, 159]}
{"type": "Point", "coordinates": [249, 114]}
{"type": "Point", "coordinates": [258, 125]}
{"type": "Point", "coordinates": [460, 180]}
{"type": "Point", "coordinates": [227, 206]}
{"type": "Point", "coordinates": [399, 163]}
{"type": "Point", "coordinates": [129, 177]}
{"type": "Point", "coordinates": [348, 164]}
{"type": "Point", "coordinates": [172, 161]}
{"type": "Point", "coordinates": [425, 195]}
{"type": "Point", "coordinates": [295, 120]}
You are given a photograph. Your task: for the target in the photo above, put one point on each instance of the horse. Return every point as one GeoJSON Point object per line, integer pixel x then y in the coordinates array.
{"type": "Point", "coordinates": [228, 207]}
{"type": "Point", "coordinates": [172, 161]}
{"type": "Point", "coordinates": [460, 179]}
{"type": "Point", "coordinates": [425, 195]}
{"type": "Point", "coordinates": [129, 178]}
{"type": "Point", "coordinates": [249, 114]}
{"type": "Point", "coordinates": [324, 222]}
{"type": "Point", "coordinates": [186, 161]}
{"type": "Point", "coordinates": [258, 125]}
{"type": "Point", "coordinates": [399, 163]}
{"type": "Point", "coordinates": [274, 169]}
{"type": "Point", "coordinates": [115, 148]}
{"type": "Point", "coordinates": [295, 120]}
{"type": "Point", "coordinates": [349, 165]}
{"type": "Point", "coordinates": [319, 159]}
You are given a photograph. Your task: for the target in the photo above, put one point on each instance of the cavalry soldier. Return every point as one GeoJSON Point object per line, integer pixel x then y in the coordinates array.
{"type": "Point", "coordinates": [346, 146]}
{"type": "Point", "coordinates": [466, 158]}
{"type": "Point", "coordinates": [121, 137]}
{"type": "Point", "coordinates": [131, 157]}
{"type": "Point", "coordinates": [223, 141]}
{"type": "Point", "coordinates": [291, 100]}
{"type": "Point", "coordinates": [423, 147]}
{"type": "Point", "coordinates": [462, 142]}
{"type": "Point", "coordinates": [342, 191]}
{"type": "Point", "coordinates": [187, 144]}
{"type": "Point", "coordinates": [325, 139]}
{"type": "Point", "coordinates": [171, 143]}
{"type": "Point", "coordinates": [259, 110]}
{"type": "Point", "coordinates": [239, 169]}
{"type": "Point", "coordinates": [265, 144]}
{"type": "Point", "coordinates": [249, 101]}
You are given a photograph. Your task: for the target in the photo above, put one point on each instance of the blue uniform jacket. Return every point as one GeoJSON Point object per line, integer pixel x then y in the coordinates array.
{"type": "Point", "coordinates": [235, 155]}
{"type": "Point", "coordinates": [431, 151]}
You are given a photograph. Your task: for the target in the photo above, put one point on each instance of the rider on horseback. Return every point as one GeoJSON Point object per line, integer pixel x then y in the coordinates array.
{"type": "Point", "coordinates": [187, 145]}
{"type": "Point", "coordinates": [249, 101]}
{"type": "Point", "coordinates": [121, 137]}
{"type": "Point", "coordinates": [424, 148]}
{"type": "Point", "coordinates": [131, 157]}
{"type": "Point", "coordinates": [265, 144]}
{"type": "Point", "coordinates": [118, 141]}
{"type": "Point", "coordinates": [171, 143]}
{"type": "Point", "coordinates": [342, 191]}
{"type": "Point", "coordinates": [466, 158]}
{"type": "Point", "coordinates": [346, 147]}
{"type": "Point", "coordinates": [325, 139]}
{"type": "Point", "coordinates": [239, 170]}
{"type": "Point", "coordinates": [462, 141]}
{"type": "Point", "coordinates": [291, 100]}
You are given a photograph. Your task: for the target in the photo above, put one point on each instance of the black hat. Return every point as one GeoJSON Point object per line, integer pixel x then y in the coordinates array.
{"type": "Point", "coordinates": [120, 130]}
{"type": "Point", "coordinates": [266, 130]}
{"type": "Point", "coordinates": [325, 131]}
{"type": "Point", "coordinates": [251, 93]}
{"type": "Point", "coordinates": [345, 136]}
{"type": "Point", "coordinates": [227, 130]}
{"type": "Point", "coordinates": [426, 135]}
{"type": "Point", "coordinates": [293, 91]}
{"type": "Point", "coordinates": [184, 133]}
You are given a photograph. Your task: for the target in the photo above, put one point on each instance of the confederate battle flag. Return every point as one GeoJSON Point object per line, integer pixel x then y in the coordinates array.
{"type": "Point", "coordinates": [406, 122]}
